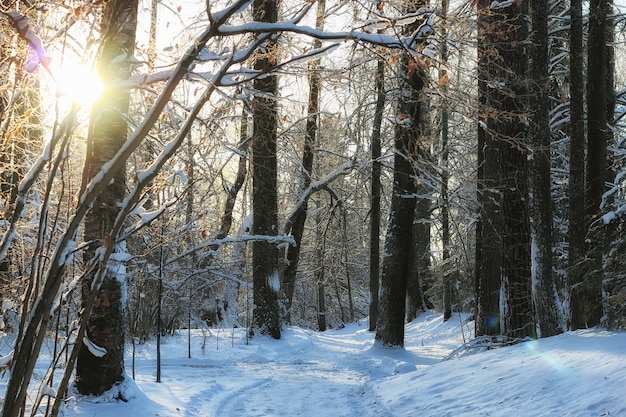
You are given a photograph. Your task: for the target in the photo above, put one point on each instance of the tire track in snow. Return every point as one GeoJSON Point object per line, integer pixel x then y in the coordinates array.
{"type": "Point", "coordinates": [300, 389]}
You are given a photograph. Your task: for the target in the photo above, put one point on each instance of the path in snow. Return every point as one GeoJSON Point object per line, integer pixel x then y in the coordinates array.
{"type": "Point", "coordinates": [303, 374]}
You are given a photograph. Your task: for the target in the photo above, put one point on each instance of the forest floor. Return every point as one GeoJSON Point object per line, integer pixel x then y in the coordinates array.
{"type": "Point", "coordinates": [342, 373]}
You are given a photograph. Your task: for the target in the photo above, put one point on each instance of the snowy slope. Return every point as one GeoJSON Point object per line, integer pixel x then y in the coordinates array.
{"type": "Point", "coordinates": [341, 373]}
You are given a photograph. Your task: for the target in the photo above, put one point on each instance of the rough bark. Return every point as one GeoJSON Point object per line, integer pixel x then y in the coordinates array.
{"type": "Point", "coordinates": [399, 241]}
{"type": "Point", "coordinates": [577, 225]}
{"type": "Point", "coordinates": [542, 213]}
{"type": "Point", "coordinates": [374, 278]}
{"type": "Point", "coordinates": [107, 132]}
{"type": "Point", "coordinates": [488, 239]}
{"type": "Point", "coordinates": [505, 267]}
{"type": "Point", "coordinates": [419, 264]}
{"type": "Point", "coordinates": [266, 282]}
{"type": "Point", "coordinates": [586, 295]}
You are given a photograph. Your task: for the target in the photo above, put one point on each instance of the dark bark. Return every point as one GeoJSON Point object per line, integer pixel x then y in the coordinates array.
{"type": "Point", "coordinates": [231, 287]}
{"type": "Point", "coordinates": [399, 242]}
{"type": "Point", "coordinates": [107, 133]}
{"type": "Point", "coordinates": [419, 263]}
{"type": "Point", "coordinates": [321, 303]}
{"type": "Point", "coordinates": [542, 213]}
{"type": "Point", "coordinates": [488, 237]}
{"type": "Point", "coordinates": [374, 278]}
{"type": "Point", "coordinates": [240, 178]}
{"type": "Point", "coordinates": [586, 307]}
{"type": "Point", "coordinates": [445, 175]}
{"type": "Point", "coordinates": [264, 193]}
{"type": "Point", "coordinates": [577, 224]}
{"type": "Point", "coordinates": [310, 138]}
{"type": "Point", "coordinates": [505, 239]}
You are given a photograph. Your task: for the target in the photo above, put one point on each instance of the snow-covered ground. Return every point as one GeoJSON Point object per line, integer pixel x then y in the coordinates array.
{"type": "Point", "coordinates": [340, 373]}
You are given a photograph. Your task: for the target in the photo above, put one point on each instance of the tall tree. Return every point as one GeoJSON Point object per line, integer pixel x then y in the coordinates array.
{"type": "Point", "coordinates": [374, 270]}
{"type": "Point", "coordinates": [399, 242]}
{"type": "Point", "coordinates": [97, 371]}
{"type": "Point", "coordinates": [445, 174]}
{"type": "Point", "coordinates": [504, 267]}
{"type": "Point", "coordinates": [542, 213]}
{"type": "Point", "coordinates": [586, 307]}
{"type": "Point", "coordinates": [310, 138]}
{"type": "Point", "coordinates": [374, 278]}
{"type": "Point", "coordinates": [576, 214]}
{"type": "Point", "coordinates": [266, 282]}
{"type": "Point", "coordinates": [488, 238]}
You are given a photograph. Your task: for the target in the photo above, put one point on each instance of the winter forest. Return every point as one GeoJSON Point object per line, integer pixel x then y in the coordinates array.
{"type": "Point", "coordinates": [269, 165]}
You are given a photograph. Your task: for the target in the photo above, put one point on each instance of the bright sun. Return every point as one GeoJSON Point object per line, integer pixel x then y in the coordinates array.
{"type": "Point", "coordinates": [77, 82]}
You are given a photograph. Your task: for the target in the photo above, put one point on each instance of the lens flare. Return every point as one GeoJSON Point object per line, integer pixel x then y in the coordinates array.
{"type": "Point", "coordinates": [78, 83]}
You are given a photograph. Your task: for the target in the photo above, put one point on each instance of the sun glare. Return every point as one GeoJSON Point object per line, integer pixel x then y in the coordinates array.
{"type": "Point", "coordinates": [78, 83]}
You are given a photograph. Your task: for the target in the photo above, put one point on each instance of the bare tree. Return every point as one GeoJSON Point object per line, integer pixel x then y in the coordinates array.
{"type": "Point", "coordinates": [374, 270]}
{"type": "Point", "coordinates": [503, 239]}
{"type": "Point", "coordinates": [97, 372]}
{"type": "Point", "coordinates": [399, 242]}
{"type": "Point", "coordinates": [542, 213]}
{"type": "Point", "coordinates": [264, 194]}
{"type": "Point", "coordinates": [586, 296]}
{"type": "Point", "coordinates": [577, 222]}
{"type": "Point", "coordinates": [299, 217]}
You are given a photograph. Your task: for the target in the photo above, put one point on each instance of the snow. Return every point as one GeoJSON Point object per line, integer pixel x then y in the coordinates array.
{"type": "Point", "coordinates": [6, 359]}
{"type": "Point", "coordinates": [97, 351]}
{"type": "Point", "coordinates": [66, 253]}
{"type": "Point", "coordinates": [343, 373]}
{"type": "Point", "coordinates": [273, 282]}
{"type": "Point", "coordinates": [500, 4]}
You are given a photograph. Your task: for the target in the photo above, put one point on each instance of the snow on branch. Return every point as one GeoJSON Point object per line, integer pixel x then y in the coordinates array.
{"type": "Point", "coordinates": [61, 133]}
{"type": "Point", "coordinates": [344, 169]}
{"type": "Point", "coordinates": [21, 26]}
{"type": "Point", "coordinates": [6, 360]}
{"type": "Point", "coordinates": [503, 4]}
{"type": "Point", "coordinates": [383, 22]}
{"type": "Point", "coordinates": [279, 240]}
{"type": "Point", "coordinates": [95, 350]}
{"type": "Point", "coordinates": [363, 35]}
{"type": "Point", "coordinates": [258, 27]}
{"type": "Point", "coordinates": [614, 188]}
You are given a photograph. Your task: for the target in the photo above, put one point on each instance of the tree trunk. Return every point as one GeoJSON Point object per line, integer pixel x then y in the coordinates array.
{"type": "Point", "coordinates": [399, 242]}
{"type": "Point", "coordinates": [505, 259]}
{"type": "Point", "coordinates": [586, 295]}
{"type": "Point", "coordinates": [542, 213]}
{"type": "Point", "coordinates": [321, 302]}
{"type": "Point", "coordinates": [374, 278]}
{"type": "Point", "coordinates": [419, 263]}
{"type": "Point", "coordinates": [488, 237]}
{"type": "Point", "coordinates": [238, 255]}
{"type": "Point", "coordinates": [577, 224]}
{"type": "Point", "coordinates": [107, 133]}
{"type": "Point", "coordinates": [266, 282]}
{"type": "Point", "coordinates": [310, 138]}
{"type": "Point", "coordinates": [445, 175]}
